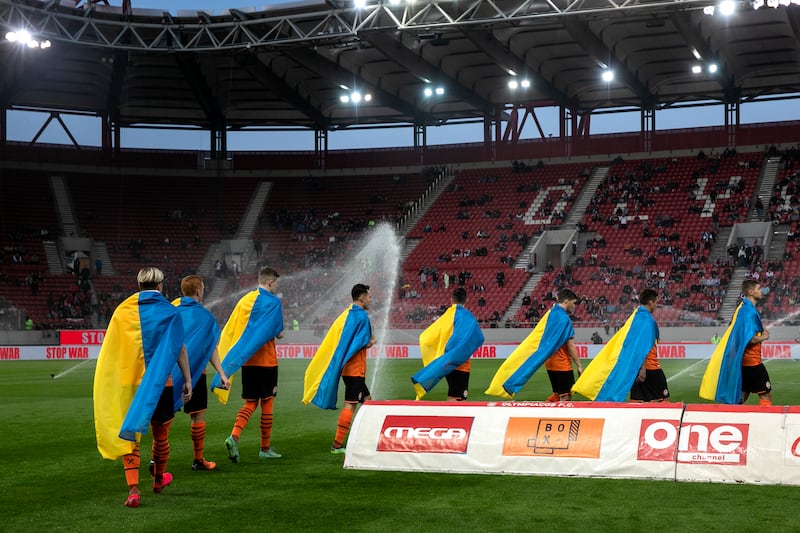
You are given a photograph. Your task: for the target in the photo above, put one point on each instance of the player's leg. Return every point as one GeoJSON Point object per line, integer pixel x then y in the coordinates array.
{"type": "Point", "coordinates": [355, 392]}
{"type": "Point", "coordinates": [457, 386]}
{"type": "Point", "coordinates": [270, 382]}
{"type": "Point", "coordinates": [159, 427]}
{"type": "Point", "coordinates": [130, 463]}
{"type": "Point", "coordinates": [250, 395]}
{"type": "Point", "coordinates": [196, 408]}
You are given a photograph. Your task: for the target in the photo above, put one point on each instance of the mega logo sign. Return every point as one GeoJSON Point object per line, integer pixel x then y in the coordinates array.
{"type": "Point", "coordinates": [694, 443]}
{"type": "Point", "coordinates": [553, 437]}
{"type": "Point", "coordinates": [425, 434]}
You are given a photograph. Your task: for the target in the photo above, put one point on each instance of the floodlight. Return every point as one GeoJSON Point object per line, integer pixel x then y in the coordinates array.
{"type": "Point", "coordinates": [525, 84]}
{"type": "Point", "coordinates": [428, 92]}
{"type": "Point", "coordinates": [440, 91]}
{"type": "Point", "coordinates": [712, 68]}
{"type": "Point", "coordinates": [608, 76]}
{"type": "Point", "coordinates": [344, 99]}
{"type": "Point", "coordinates": [697, 69]}
{"type": "Point", "coordinates": [727, 7]}
{"type": "Point", "coordinates": [513, 84]}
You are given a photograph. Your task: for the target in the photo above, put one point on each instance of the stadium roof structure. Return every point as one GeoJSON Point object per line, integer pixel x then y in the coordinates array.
{"type": "Point", "coordinates": [290, 65]}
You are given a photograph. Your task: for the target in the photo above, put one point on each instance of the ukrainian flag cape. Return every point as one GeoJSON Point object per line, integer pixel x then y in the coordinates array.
{"type": "Point", "coordinates": [256, 320]}
{"type": "Point", "coordinates": [201, 334]}
{"type": "Point", "coordinates": [446, 344]}
{"type": "Point", "coordinates": [610, 375]}
{"type": "Point", "coordinates": [349, 333]}
{"type": "Point", "coordinates": [722, 381]}
{"type": "Point", "coordinates": [552, 331]}
{"type": "Point", "coordinates": [140, 348]}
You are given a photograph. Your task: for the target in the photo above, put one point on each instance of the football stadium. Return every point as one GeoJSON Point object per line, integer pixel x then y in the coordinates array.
{"type": "Point", "coordinates": [305, 162]}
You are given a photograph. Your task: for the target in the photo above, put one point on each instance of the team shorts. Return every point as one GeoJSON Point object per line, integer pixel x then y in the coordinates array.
{"type": "Point", "coordinates": [457, 384]}
{"type": "Point", "coordinates": [755, 379]}
{"type": "Point", "coordinates": [259, 382]}
{"type": "Point", "coordinates": [355, 389]}
{"type": "Point", "coordinates": [652, 389]}
{"type": "Point", "coordinates": [199, 400]}
{"type": "Point", "coordinates": [165, 408]}
{"type": "Point", "coordinates": [561, 380]}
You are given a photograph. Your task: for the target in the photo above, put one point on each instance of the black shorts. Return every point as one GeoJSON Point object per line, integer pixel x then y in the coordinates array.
{"type": "Point", "coordinates": [652, 389]}
{"type": "Point", "coordinates": [755, 379]}
{"type": "Point", "coordinates": [259, 382]}
{"type": "Point", "coordinates": [457, 384]}
{"type": "Point", "coordinates": [165, 409]}
{"type": "Point", "coordinates": [199, 400]}
{"type": "Point", "coordinates": [355, 389]}
{"type": "Point", "coordinates": [561, 380]}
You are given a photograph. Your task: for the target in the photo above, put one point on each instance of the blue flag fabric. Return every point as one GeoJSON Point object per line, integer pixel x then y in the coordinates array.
{"type": "Point", "coordinates": [256, 319]}
{"type": "Point", "coordinates": [610, 375]}
{"type": "Point", "coordinates": [348, 334]}
{"type": "Point", "coordinates": [201, 334]}
{"type": "Point", "coordinates": [557, 330]}
{"type": "Point", "coordinates": [162, 339]}
{"type": "Point", "coordinates": [462, 334]}
{"type": "Point", "coordinates": [722, 380]}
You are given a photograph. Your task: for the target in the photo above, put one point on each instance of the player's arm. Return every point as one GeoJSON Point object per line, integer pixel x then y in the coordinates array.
{"type": "Point", "coordinates": [371, 342]}
{"type": "Point", "coordinates": [279, 335]}
{"type": "Point", "coordinates": [572, 350]}
{"type": "Point", "coordinates": [183, 364]}
{"type": "Point", "coordinates": [215, 362]}
{"type": "Point", "coordinates": [759, 337]}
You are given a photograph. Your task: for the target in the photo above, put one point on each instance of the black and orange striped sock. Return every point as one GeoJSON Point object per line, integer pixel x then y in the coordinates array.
{"type": "Point", "coordinates": [160, 447]}
{"type": "Point", "coordinates": [243, 417]}
{"type": "Point", "coordinates": [198, 439]}
{"type": "Point", "coordinates": [343, 426]}
{"type": "Point", "coordinates": [130, 463]}
{"type": "Point", "coordinates": [266, 422]}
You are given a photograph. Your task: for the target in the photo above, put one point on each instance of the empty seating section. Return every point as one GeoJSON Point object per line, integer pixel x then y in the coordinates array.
{"type": "Point", "coordinates": [156, 219]}
{"type": "Point", "coordinates": [27, 219]}
{"type": "Point", "coordinates": [313, 221]}
{"type": "Point", "coordinates": [481, 224]}
{"type": "Point", "coordinates": [649, 225]}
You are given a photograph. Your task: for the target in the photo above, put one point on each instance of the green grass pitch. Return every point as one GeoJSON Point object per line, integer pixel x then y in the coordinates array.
{"type": "Point", "coordinates": [52, 477]}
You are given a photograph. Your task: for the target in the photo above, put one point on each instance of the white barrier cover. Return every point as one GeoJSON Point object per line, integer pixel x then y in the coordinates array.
{"type": "Point", "coordinates": [566, 439]}
{"type": "Point", "coordinates": [790, 472]}
{"type": "Point", "coordinates": [731, 444]}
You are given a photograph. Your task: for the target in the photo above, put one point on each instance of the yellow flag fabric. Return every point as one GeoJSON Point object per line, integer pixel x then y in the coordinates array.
{"type": "Point", "coordinates": [120, 367]}
{"type": "Point", "coordinates": [256, 319]}
{"type": "Point", "coordinates": [551, 332]}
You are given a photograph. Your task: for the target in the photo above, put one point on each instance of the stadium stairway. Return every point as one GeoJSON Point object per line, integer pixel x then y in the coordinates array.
{"type": "Point", "coordinates": [573, 217]}
{"type": "Point", "coordinates": [101, 251]}
{"type": "Point", "coordinates": [582, 202]}
{"type": "Point", "coordinates": [766, 183]}
{"type": "Point", "coordinates": [732, 296]}
{"type": "Point", "coordinates": [66, 213]}
{"type": "Point", "coordinates": [54, 263]}
{"type": "Point", "coordinates": [516, 303]}
{"type": "Point", "coordinates": [425, 202]}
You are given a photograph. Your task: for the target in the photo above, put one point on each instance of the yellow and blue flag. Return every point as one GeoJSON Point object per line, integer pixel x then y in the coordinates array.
{"type": "Point", "coordinates": [445, 345]}
{"type": "Point", "coordinates": [722, 380]}
{"type": "Point", "coordinates": [552, 331]}
{"type": "Point", "coordinates": [349, 333]}
{"type": "Point", "coordinates": [256, 320]}
{"type": "Point", "coordinates": [611, 374]}
{"type": "Point", "coordinates": [140, 349]}
{"type": "Point", "coordinates": [201, 334]}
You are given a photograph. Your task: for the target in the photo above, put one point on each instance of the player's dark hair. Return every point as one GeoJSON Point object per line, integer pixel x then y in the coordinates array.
{"type": "Point", "coordinates": [565, 295]}
{"type": "Point", "coordinates": [647, 296]}
{"type": "Point", "coordinates": [357, 290]}
{"type": "Point", "coordinates": [460, 296]}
